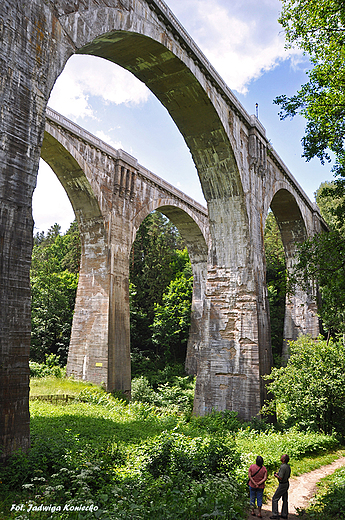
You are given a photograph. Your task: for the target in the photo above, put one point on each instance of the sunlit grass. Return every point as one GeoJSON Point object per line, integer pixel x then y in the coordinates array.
{"type": "Point", "coordinates": [115, 439]}
{"type": "Point", "coordinates": [55, 386]}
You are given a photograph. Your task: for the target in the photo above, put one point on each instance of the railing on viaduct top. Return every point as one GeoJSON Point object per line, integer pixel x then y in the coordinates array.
{"type": "Point", "coordinates": [91, 139]}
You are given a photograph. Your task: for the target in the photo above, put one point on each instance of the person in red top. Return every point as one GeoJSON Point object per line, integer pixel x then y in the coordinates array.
{"type": "Point", "coordinates": [257, 474]}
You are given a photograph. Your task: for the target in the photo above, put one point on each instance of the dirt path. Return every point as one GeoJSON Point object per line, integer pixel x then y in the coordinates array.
{"type": "Point", "coordinates": [302, 489]}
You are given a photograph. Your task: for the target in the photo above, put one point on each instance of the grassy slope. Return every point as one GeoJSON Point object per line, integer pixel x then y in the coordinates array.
{"type": "Point", "coordinates": [112, 427]}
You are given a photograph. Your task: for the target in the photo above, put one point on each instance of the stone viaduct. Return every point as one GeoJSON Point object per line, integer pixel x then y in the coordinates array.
{"type": "Point", "coordinates": [111, 195]}
{"type": "Point", "coordinates": [241, 177]}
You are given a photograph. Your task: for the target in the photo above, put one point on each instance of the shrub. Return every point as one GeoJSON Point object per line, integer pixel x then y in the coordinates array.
{"type": "Point", "coordinates": [218, 421]}
{"type": "Point", "coordinates": [142, 391]}
{"type": "Point", "coordinates": [173, 453]}
{"type": "Point", "coordinates": [178, 396]}
{"type": "Point", "coordinates": [312, 385]}
{"type": "Point", "coordinates": [51, 367]}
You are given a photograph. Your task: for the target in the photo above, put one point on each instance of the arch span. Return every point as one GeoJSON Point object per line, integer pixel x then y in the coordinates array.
{"type": "Point", "coordinates": [196, 236]}
{"type": "Point", "coordinates": [300, 308]}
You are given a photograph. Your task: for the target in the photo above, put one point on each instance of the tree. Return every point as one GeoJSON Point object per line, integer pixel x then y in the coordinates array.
{"type": "Point", "coordinates": [171, 322]}
{"type": "Point", "coordinates": [276, 283]}
{"type": "Point", "coordinates": [54, 280]}
{"type": "Point", "coordinates": [321, 259]}
{"type": "Point", "coordinates": [156, 260]}
{"type": "Point", "coordinates": [318, 28]}
{"type": "Point", "coordinates": [311, 388]}
{"type": "Point", "coordinates": [330, 198]}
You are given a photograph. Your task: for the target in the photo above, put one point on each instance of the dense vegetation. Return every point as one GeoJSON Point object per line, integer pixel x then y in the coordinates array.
{"type": "Point", "coordinates": [141, 461]}
{"type": "Point", "coordinates": [320, 264]}
{"type": "Point", "coordinates": [276, 284]}
{"type": "Point", "coordinates": [54, 280]}
{"type": "Point", "coordinates": [160, 293]}
{"type": "Point", "coordinates": [310, 390]}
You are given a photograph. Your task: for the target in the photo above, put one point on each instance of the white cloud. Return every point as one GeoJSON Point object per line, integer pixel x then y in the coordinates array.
{"type": "Point", "coordinates": [86, 76]}
{"type": "Point", "coordinates": [50, 202]}
{"type": "Point", "coordinates": [68, 97]}
{"type": "Point", "coordinates": [108, 140]}
{"type": "Point", "coordinates": [241, 39]}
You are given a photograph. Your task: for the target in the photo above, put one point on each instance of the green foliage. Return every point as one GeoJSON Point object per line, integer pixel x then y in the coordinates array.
{"type": "Point", "coordinates": [158, 258]}
{"type": "Point", "coordinates": [317, 27]}
{"type": "Point", "coordinates": [331, 201]}
{"type": "Point", "coordinates": [276, 283]}
{"type": "Point", "coordinates": [171, 322]}
{"type": "Point", "coordinates": [311, 387]}
{"type": "Point", "coordinates": [51, 367]}
{"type": "Point", "coordinates": [53, 289]}
{"type": "Point", "coordinates": [52, 385]}
{"type": "Point", "coordinates": [271, 444]}
{"type": "Point", "coordinates": [321, 259]}
{"type": "Point", "coordinates": [153, 261]}
{"type": "Point", "coordinates": [329, 501]}
{"type": "Point", "coordinates": [217, 421]}
{"type": "Point", "coordinates": [136, 461]}
{"type": "Point", "coordinates": [178, 395]}
{"type": "Point", "coordinates": [173, 453]}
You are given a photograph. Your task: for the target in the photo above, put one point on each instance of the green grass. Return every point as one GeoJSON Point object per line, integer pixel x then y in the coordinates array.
{"type": "Point", "coordinates": [329, 501]}
{"type": "Point", "coordinates": [138, 461]}
{"type": "Point", "coordinates": [51, 385]}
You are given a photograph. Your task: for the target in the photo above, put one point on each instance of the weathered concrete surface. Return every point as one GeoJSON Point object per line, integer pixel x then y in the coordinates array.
{"type": "Point", "coordinates": [239, 177]}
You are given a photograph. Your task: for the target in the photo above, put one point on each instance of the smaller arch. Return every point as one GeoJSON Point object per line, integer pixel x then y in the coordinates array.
{"type": "Point", "coordinates": [193, 230]}
{"type": "Point", "coordinates": [290, 221]}
{"type": "Point", "coordinates": [73, 172]}
{"type": "Point", "coordinates": [87, 350]}
{"type": "Point", "coordinates": [195, 236]}
{"type": "Point", "coordinates": [300, 309]}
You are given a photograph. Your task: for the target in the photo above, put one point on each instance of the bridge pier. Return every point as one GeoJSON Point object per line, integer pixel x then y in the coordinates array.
{"type": "Point", "coordinates": [235, 351]}
{"type": "Point", "coordinates": [89, 344]}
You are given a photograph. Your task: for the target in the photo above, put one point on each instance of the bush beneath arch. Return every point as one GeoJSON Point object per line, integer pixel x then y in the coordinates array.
{"type": "Point", "coordinates": [310, 390]}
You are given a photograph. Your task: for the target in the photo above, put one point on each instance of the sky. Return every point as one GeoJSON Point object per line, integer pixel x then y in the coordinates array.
{"type": "Point", "coordinates": [245, 44]}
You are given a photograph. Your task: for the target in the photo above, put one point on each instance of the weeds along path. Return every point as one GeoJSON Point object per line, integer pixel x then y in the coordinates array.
{"type": "Point", "coordinates": [302, 489]}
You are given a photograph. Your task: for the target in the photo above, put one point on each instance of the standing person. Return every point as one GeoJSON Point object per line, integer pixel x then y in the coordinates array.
{"type": "Point", "coordinates": [257, 474]}
{"type": "Point", "coordinates": [283, 476]}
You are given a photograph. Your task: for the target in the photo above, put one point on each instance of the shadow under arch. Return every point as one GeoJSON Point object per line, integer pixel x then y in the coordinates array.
{"type": "Point", "coordinates": [300, 308]}
{"type": "Point", "coordinates": [290, 222]}
{"type": "Point", "coordinates": [196, 237]}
